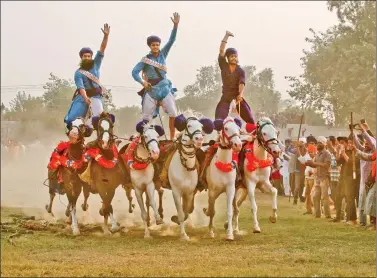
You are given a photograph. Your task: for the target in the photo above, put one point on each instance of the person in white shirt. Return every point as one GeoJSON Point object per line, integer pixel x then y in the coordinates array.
{"type": "Point", "coordinates": [309, 176]}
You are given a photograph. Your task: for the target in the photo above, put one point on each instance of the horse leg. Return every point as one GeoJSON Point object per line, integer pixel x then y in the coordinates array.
{"type": "Point", "coordinates": [212, 196]}
{"type": "Point", "coordinates": [230, 192]}
{"type": "Point", "coordinates": [147, 204]}
{"type": "Point", "coordinates": [114, 224]}
{"type": "Point", "coordinates": [150, 193]}
{"type": "Point", "coordinates": [254, 209]}
{"type": "Point", "coordinates": [238, 200]}
{"type": "Point", "coordinates": [68, 211]}
{"type": "Point", "coordinates": [49, 206]}
{"type": "Point", "coordinates": [274, 193]}
{"type": "Point", "coordinates": [180, 219]}
{"type": "Point", "coordinates": [131, 206]}
{"type": "Point", "coordinates": [139, 198]}
{"type": "Point", "coordinates": [85, 189]}
{"type": "Point", "coordinates": [75, 224]}
{"type": "Point", "coordinates": [160, 208]}
{"type": "Point", "coordinates": [104, 210]}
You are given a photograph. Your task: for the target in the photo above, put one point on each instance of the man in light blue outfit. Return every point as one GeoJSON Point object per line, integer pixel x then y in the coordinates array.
{"type": "Point", "coordinates": [88, 92]}
{"type": "Point", "coordinates": [157, 88]}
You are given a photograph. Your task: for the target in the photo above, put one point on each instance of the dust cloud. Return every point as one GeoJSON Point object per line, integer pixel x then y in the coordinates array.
{"type": "Point", "coordinates": [22, 186]}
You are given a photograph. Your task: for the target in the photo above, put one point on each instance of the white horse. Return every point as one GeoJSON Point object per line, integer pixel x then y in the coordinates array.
{"type": "Point", "coordinates": [221, 173]}
{"type": "Point", "coordinates": [182, 172]}
{"type": "Point", "coordinates": [146, 151]}
{"type": "Point", "coordinates": [257, 169]}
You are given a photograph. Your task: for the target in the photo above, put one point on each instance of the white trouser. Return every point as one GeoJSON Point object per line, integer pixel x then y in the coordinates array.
{"type": "Point", "coordinates": [97, 108]}
{"type": "Point", "coordinates": [150, 104]}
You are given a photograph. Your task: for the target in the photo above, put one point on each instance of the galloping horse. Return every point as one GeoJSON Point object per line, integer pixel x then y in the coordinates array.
{"type": "Point", "coordinates": [221, 173]}
{"type": "Point", "coordinates": [65, 165]}
{"type": "Point", "coordinates": [104, 172]}
{"type": "Point", "coordinates": [257, 170]}
{"type": "Point", "coordinates": [138, 159]}
{"type": "Point", "coordinates": [182, 171]}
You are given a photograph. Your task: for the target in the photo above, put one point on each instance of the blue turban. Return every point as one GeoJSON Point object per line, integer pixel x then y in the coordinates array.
{"type": "Point", "coordinates": [230, 51]}
{"type": "Point", "coordinates": [151, 39]}
{"type": "Point", "coordinates": [85, 50]}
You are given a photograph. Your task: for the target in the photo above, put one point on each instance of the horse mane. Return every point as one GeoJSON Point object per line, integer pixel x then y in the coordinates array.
{"type": "Point", "coordinates": [265, 120]}
{"type": "Point", "coordinates": [191, 113]}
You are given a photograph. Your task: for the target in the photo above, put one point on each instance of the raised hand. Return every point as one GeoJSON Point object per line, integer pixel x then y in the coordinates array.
{"type": "Point", "coordinates": [106, 29]}
{"type": "Point", "coordinates": [176, 17]}
{"type": "Point", "coordinates": [229, 34]}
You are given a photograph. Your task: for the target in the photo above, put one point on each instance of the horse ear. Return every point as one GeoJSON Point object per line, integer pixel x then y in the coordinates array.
{"type": "Point", "coordinates": [140, 126]}
{"type": "Point", "coordinates": [180, 122]}
{"type": "Point", "coordinates": [159, 130]}
{"type": "Point", "coordinates": [95, 120]}
{"type": "Point", "coordinates": [207, 125]}
{"type": "Point", "coordinates": [238, 122]}
{"type": "Point", "coordinates": [112, 117]}
{"type": "Point", "coordinates": [218, 123]}
{"type": "Point", "coordinates": [88, 131]}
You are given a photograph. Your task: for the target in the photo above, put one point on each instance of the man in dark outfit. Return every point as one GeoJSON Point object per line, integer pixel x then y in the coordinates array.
{"type": "Point", "coordinates": [233, 78]}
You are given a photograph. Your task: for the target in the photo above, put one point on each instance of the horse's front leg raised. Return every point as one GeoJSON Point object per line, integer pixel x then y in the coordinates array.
{"type": "Point", "coordinates": [274, 193]}
{"type": "Point", "coordinates": [131, 206]}
{"type": "Point", "coordinates": [49, 206]}
{"type": "Point", "coordinates": [86, 192]}
{"type": "Point", "coordinates": [139, 198]}
{"type": "Point", "coordinates": [150, 193]}
{"type": "Point", "coordinates": [254, 209]}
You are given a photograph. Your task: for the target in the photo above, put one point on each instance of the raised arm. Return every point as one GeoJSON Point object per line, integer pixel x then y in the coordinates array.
{"type": "Point", "coordinates": [224, 42]}
{"type": "Point", "coordinates": [367, 136]}
{"type": "Point", "coordinates": [165, 50]}
{"type": "Point", "coordinates": [357, 143]}
{"type": "Point", "coordinates": [106, 32]}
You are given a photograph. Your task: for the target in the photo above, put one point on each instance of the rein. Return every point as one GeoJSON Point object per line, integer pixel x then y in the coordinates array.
{"type": "Point", "coordinates": [228, 138]}
{"type": "Point", "coordinates": [263, 143]}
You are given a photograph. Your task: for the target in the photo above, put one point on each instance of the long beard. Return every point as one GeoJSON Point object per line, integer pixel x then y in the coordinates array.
{"type": "Point", "coordinates": [87, 64]}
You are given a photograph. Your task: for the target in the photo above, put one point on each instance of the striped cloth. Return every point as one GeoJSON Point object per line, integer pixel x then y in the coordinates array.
{"type": "Point", "coordinates": [334, 169]}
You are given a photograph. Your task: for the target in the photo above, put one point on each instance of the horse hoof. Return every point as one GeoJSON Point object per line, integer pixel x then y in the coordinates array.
{"type": "Point", "coordinates": [205, 211]}
{"type": "Point", "coordinates": [226, 226]}
{"type": "Point", "coordinates": [148, 237]}
{"type": "Point", "coordinates": [76, 232]}
{"type": "Point", "coordinates": [230, 237]}
{"type": "Point", "coordinates": [115, 229]}
{"type": "Point", "coordinates": [211, 234]}
{"type": "Point", "coordinates": [130, 210]}
{"type": "Point", "coordinates": [256, 231]}
{"type": "Point", "coordinates": [185, 237]}
{"type": "Point", "coordinates": [133, 206]}
{"type": "Point", "coordinates": [174, 219]}
{"type": "Point", "coordinates": [84, 208]}
{"type": "Point", "coordinates": [148, 224]}
{"type": "Point", "coordinates": [101, 212]}
{"type": "Point", "coordinates": [272, 219]}
{"type": "Point", "coordinates": [106, 232]}
{"type": "Point", "coordinates": [67, 213]}
{"type": "Point", "coordinates": [48, 208]}
{"type": "Point", "coordinates": [236, 232]}
{"type": "Point", "coordinates": [159, 222]}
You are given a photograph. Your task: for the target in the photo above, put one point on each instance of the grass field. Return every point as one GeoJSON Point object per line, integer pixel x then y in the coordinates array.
{"type": "Point", "coordinates": [296, 245]}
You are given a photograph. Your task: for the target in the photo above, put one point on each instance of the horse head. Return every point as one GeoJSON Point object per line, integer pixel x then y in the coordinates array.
{"type": "Point", "coordinates": [193, 129]}
{"type": "Point", "coordinates": [267, 136]}
{"type": "Point", "coordinates": [77, 130]}
{"type": "Point", "coordinates": [149, 135]}
{"type": "Point", "coordinates": [104, 124]}
{"type": "Point", "coordinates": [230, 133]}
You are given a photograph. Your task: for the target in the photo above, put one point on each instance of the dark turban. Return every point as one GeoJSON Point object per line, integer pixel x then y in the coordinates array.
{"type": "Point", "coordinates": [151, 39]}
{"type": "Point", "coordinates": [85, 50]}
{"type": "Point", "coordinates": [230, 51]}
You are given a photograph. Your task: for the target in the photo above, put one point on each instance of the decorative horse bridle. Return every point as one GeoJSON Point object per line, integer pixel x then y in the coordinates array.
{"type": "Point", "coordinates": [261, 141]}
{"type": "Point", "coordinates": [228, 138]}
{"type": "Point", "coordinates": [181, 145]}
{"type": "Point", "coordinates": [101, 131]}
{"type": "Point", "coordinates": [146, 146]}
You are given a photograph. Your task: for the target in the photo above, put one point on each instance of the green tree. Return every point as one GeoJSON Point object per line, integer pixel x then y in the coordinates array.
{"type": "Point", "coordinates": [339, 69]}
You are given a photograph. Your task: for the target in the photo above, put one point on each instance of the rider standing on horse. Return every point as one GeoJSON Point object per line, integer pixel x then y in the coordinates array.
{"type": "Point", "coordinates": [233, 78]}
{"type": "Point", "coordinates": [88, 92]}
{"type": "Point", "coordinates": [157, 88]}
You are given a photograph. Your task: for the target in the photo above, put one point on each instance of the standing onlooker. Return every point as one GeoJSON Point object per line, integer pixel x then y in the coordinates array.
{"type": "Point", "coordinates": [365, 167]}
{"type": "Point", "coordinates": [290, 150]}
{"type": "Point", "coordinates": [321, 187]}
{"type": "Point", "coordinates": [309, 176]}
{"type": "Point", "coordinates": [350, 184]}
{"type": "Point", "coordinates": [299, 171]}
{"type": "Point", "coordinates": [334, 170]}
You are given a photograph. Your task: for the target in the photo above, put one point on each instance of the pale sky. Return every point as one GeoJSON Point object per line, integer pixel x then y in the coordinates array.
{"type": "Point", "coordinates": [42, 37]}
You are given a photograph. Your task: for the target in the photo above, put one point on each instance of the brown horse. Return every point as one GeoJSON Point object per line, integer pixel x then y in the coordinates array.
{"type": "Point", "coordinates": [68, 159]}
{"type": "Point", "coordinates": [105, 173]}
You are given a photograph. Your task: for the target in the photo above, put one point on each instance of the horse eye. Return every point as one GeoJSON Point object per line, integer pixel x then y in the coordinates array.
{"type": "Point", "coordinates": [264, 133]}
{"type": "Point", "coordinates": [226, 129]}
{"type": "Point", "coordinates": [188, 126]}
